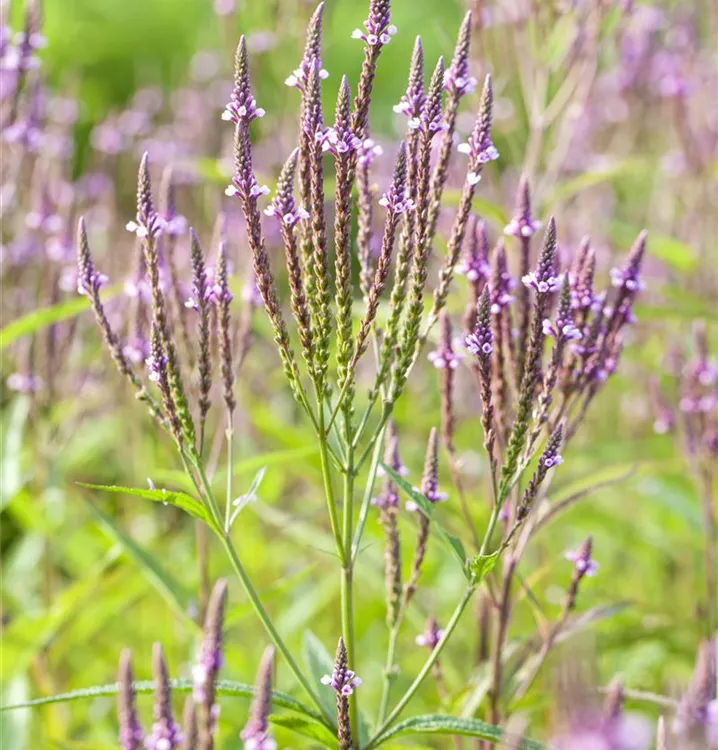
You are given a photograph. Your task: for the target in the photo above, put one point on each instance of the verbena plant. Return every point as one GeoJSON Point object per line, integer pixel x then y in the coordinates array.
{"type": "Point", "coordinates": [541, 342]}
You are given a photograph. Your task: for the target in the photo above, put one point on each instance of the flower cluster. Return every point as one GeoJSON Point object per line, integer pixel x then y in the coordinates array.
{"type": "Point", "coordinates": [338, 141]}
{"type": "Point", "coordinates": [368, 151]}
{"type": "Point", "coordinates": [445, 357]}
{"type": "Point", "coordinates": [583, 564]}
{"type": "Point", "coordinates": [378, 29]}
{"type": "Point", "coordinates": [342, 681]}
{"type": "Point", "coordinates": [431, 636]}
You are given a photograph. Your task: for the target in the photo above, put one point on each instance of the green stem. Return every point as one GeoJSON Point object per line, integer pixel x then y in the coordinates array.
{"type": "Point", "coordinates": [329, 491]}
{"type": "Point", "coordinates": [230, 472]}
{"type": "Point", "coordinates": [366, 501]}
{"type": "Point", "coordinates": [389, 670]}
{"type": "Point", "coordinates": [203, 487]}
{"type": "Point", "coordinates": [271, 630]}
{"type": "Point", "coordinates": [428, 664]}
{"type": "Point", "coordinates": [347, 580]}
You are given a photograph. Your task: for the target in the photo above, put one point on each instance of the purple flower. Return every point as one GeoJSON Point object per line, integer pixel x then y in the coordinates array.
{"type": "Point", "coordinates": [481, 342]}
{"type": "Point", "coordinates": [431, 636]}
{"type": "Point", "coordinates": [368, 151]}
{"type": "Point", "coordinates": [246, 189]}
{"type": "Point", "coordinates": [480, 150]}
{"type": "Point", "coordinates": [582, 563]}
{"type": "Point", "coordinates": [251, 293]}
{"type": "Point", "coordinates": [522, 227]}
{"type": "Point", "coordinates": [395, 204]}
{"type": "Point", "coordinates": [90, 281]}
{"type": "Point", "coordinates": [542, 283]}
{"type": "Point", "coordinates": [24, 382]}
{"type": "Point", "coordinates": [299, 76]}
{"type": "Point", "coordinates": [157, 367]}
{"type": "Point", "coordinates": [475, 262]}
{"type": "Point", "coordinates": [627, 277]}
{"type": "Point", "coordinates": [137, 350]}
{"type": "Point", "coordinates": [343, 681]}
{"type": "Point", "coordinates": [165, 735]}
{"type": "Point", "coordinates": [562, 330]}
{"type": "Point", "coordinates": [551, 458]}
{"type": "Point", "coordinates": [445, 357]}
{"type": "Point", "coordinates": [338, 141]}
{"type": "Point", "coordinates": [242, 108]}
{"type": "Point", "coordinates": [378, 27]}
{"type": "Point", "coordinates": [430, 478]}
{"type": "Point", "coordinates": [225, 7]}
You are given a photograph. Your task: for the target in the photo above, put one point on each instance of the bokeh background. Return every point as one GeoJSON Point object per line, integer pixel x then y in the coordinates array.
{"type": "Point", "coordinates": [610, 108]}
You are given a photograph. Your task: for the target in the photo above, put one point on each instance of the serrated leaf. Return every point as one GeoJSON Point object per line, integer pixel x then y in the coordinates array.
{"type": "Point", "coordinates": [482, 565]}
{"type": "Point", "coordinates": [167, 497]}
{"type": "Point", "coordinates": [452, 542]}
{"type": "Point", "coordinates": [165, 584]}
{"type": "Point", "coordinates": [224, 687]}
{"type": "Point", "coordinates": [46, 316]}
{"type": "Point", "coordinates": [453, 725]}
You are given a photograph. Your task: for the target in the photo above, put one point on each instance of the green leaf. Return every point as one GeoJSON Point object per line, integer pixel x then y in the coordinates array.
{"type": "Point", "coordinates": [305, 727]}
{"type": "Point", "coordinates": [482, 565]}
{"type": "Point", "coordinates": [165, 584]}
{"type": "Point", "coordinates": [670, 250]}
{"type": "Point", "coordinates": [452, 542]}
{"type": "Point", "coordinates": [559, 41]}
{"type": "Point", "coordinates": [585, 180]}
{"type": "Point", "coordinates": [178, 499]}
{"type": "Point", "coordinates": [224, 687]}
{"type": "Point", "coordinates": [47, 316]}
{"type": "Point", "coordinates": [486, 210]}
{"type": "Point", "coordinates": [452, 725]}
{"type": "Point", "coordinates": [11, 479]}
{"type": "Point", "coordinates": [319, 663]}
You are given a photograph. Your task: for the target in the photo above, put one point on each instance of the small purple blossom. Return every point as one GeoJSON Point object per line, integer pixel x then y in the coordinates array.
{"type": "Point", "coordinates": [543, 284]}
{"type": "Point", "coordinates": [626, 277]}
{"type": "Point", "coordinates": [343, 683]}
{"type": "Point", "coordinates": [522, 227]}
{"type": "Point", "coordinates": [24, 382]}
{"type": "Point", "coordinates": [157, 367]}
{"type": "Point", "coordinates": [338, 141]}
{"type": "Point", "coordinates": [480, 150]}
{"type": "Point", "coordinates": [90, 281]}
{"type": "Point", "coordinates": [561, 331]}
{"type": "Point", "coordinates": [431, 636]}
{"type": "Point", "coordinates": [368, 151]}
{"type": "Point", "coordinates": [387, 499]}
{"type": "Point", "coordinates": [396, 205]}
{"type": "Point", "coordinates": [445, 357]}
{"type": "Point", "coordinates": [459, 81]}
{"type": "Point", "coordinates": [251, 293]}
{"type": "Point", "coordinates": [242, 109]}
{"type": "Point", "coordinates": [481, 342]}
{"type": "Point", "coordinates": [149, 225]}
{"type": "Point", "coordinates": [582, 562]}
{"type": "Point", "coordinates": [137, 350]}
{"type": "Point", "coordinates": [246, 189]}
{"type": "Point", "coordinates": [299, 77]}
{"type": "Point", "coordinates": [475, 262]}
{"type": "Point", "coordinates": [284, 207]}
{"type": "Point", "coordinates": [165, 735]}
{"type": "Point", "coordinates": [377, 29]}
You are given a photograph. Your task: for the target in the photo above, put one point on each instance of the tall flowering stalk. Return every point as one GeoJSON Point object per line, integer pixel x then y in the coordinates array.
{"type": "Point", "coordinates": [524, 424]}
